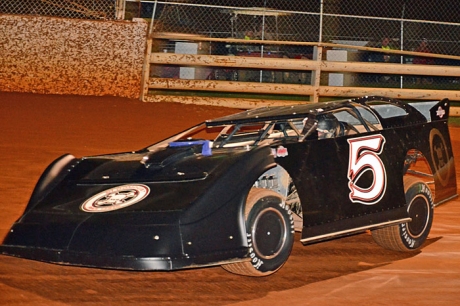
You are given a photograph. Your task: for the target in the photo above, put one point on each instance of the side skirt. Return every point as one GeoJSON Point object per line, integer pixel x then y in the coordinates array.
{"type": "Point", "coordinates": [351, 231]}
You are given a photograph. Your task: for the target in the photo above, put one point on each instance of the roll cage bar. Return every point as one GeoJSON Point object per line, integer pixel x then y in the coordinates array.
{"type": "Point", "coordinates": [294, 122]}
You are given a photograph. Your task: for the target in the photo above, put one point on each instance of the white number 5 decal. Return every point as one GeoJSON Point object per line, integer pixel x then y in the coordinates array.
{"type": "Point", "coordinates": [364, 156]}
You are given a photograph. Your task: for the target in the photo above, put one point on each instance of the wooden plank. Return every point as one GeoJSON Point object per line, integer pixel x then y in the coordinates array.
{"type": "Point", "coordinates": [297, 89]}
{"type": "Point", "coordinates": [239, 103]}
{"type": "Point", "coordinates": [230, 86]}
{"type": "Point", "coordinates": [398, 93]}
{"type": "Point", "coordinates": [193, 37]}
{"type": "Point", "coordinates": [389, 68]}
{"type": "Point", "coordinates": [454, 112]}
{"type": "Point", "coordinates": [158, 58]}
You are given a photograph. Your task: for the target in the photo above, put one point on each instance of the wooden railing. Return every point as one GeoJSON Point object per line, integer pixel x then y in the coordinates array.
{"type": "Point", "coordinates": [311, 92]}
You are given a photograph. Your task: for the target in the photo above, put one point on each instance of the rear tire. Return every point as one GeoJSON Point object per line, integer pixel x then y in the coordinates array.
{"type": "Point", "coordinates": [410, 236]}
{"type": "Point", "coordinates": [270, 234]}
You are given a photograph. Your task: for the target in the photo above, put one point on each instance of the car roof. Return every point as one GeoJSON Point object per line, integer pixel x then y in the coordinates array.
{"type": "Point", "coordinates": [273, 113]}
{"type": "Point", "coordinates": [278, 113]}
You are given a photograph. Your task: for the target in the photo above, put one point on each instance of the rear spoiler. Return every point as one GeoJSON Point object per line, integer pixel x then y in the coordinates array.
{"type": "Point", "coordinates": [433, 110]}
{"type": "Point", "coordinates": [440, 111]}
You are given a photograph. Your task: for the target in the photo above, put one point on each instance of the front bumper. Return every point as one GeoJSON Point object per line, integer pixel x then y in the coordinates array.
{"type": "Point", "coordinates": [123, 262]}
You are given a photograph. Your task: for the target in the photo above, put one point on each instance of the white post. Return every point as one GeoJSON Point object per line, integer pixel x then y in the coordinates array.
{"type": "Point", "coordinates": [402, 43]}
{"type": "Point", "coordinates": [320, 39]}
{"type": "Point", "coordinates": [153, 18]}
{"type": "Point", "coordinates": [120, 7]}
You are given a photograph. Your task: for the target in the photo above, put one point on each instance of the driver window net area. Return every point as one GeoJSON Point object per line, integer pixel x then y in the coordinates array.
{"type": "Point", "coordinates": [240, 135]}
{"type": "Point", "coordinates": [387, 110]}
{"type": "Point", "coordinates": [354, 124]}
{"type": "Point", "coordinates": [257, 133]}
{"type": "Point", "coordinates": [286, 129]}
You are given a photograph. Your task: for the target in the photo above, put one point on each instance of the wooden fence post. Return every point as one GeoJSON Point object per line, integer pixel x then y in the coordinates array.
{"type": "Point", "coordinates": [146, 70]}
{"type": "Point", "coordinates": [316, 74]}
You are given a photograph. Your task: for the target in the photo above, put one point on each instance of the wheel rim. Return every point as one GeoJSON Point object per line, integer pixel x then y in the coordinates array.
{"type": "Point", "coordinates": [419, 211]}
{"type": "Point", "coordinates": [269, 233]}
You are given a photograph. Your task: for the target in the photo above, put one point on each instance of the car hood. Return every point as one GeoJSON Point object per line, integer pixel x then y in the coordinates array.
{"type": "Point", "coordinates": [166, 164]}
{"type": "Point", "coordinates": [179, 190]}
{"type": "Point", "coordinates": [173, 179]}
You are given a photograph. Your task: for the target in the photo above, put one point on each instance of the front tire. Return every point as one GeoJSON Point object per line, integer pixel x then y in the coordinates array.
{"type": "Point", "coordinates": [410, 236]}
{"type": "Point", "coordinates": [270, 234]}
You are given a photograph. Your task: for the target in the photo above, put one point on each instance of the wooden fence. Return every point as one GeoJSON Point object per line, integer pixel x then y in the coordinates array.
{"type": "Point", "coordinates": [312, 92]}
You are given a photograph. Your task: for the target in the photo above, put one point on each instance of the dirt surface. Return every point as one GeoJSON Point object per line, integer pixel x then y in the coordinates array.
{"type": "Point", "coordinates": [36, 129]}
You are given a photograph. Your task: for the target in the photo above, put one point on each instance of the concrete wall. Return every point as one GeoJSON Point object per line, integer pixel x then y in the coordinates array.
{"type": "Point", "coordinates": [68, 56]}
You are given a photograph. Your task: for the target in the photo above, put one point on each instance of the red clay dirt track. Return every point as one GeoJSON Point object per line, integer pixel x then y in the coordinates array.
{"type": "Point", "coordinates": [36, 129]}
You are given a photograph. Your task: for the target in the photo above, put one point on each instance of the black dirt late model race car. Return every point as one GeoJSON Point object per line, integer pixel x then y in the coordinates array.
{"type": "Point", "coordinates": [233, 190]}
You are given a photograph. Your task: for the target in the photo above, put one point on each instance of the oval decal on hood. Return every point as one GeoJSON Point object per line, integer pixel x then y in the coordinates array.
{"type": "Point", "coordinates": [116, 198]}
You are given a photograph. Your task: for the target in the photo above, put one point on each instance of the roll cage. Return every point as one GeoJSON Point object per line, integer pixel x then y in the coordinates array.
{"type": "Point", "coordinates": [298, 123]}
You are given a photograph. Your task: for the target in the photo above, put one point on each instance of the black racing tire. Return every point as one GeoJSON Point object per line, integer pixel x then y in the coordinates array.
{"type": "Point", "coordinates": [270, 234]}
{"type": "Point", "coordinates": [410, 236]}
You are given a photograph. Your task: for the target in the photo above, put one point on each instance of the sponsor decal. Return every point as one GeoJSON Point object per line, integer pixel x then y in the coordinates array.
{"type": "Point", "coordinates": [280, 152]}
{"type": "Point", "coordinates": [440, 156]}
{"type": "Point", "coordinates": [440, 112]}
{"type": "Point", "coordinates": [116, 198]}
{"type": "Point", "coordinates": [364, 157]}
{"type": "Point", "coordinates": [255, 260]}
